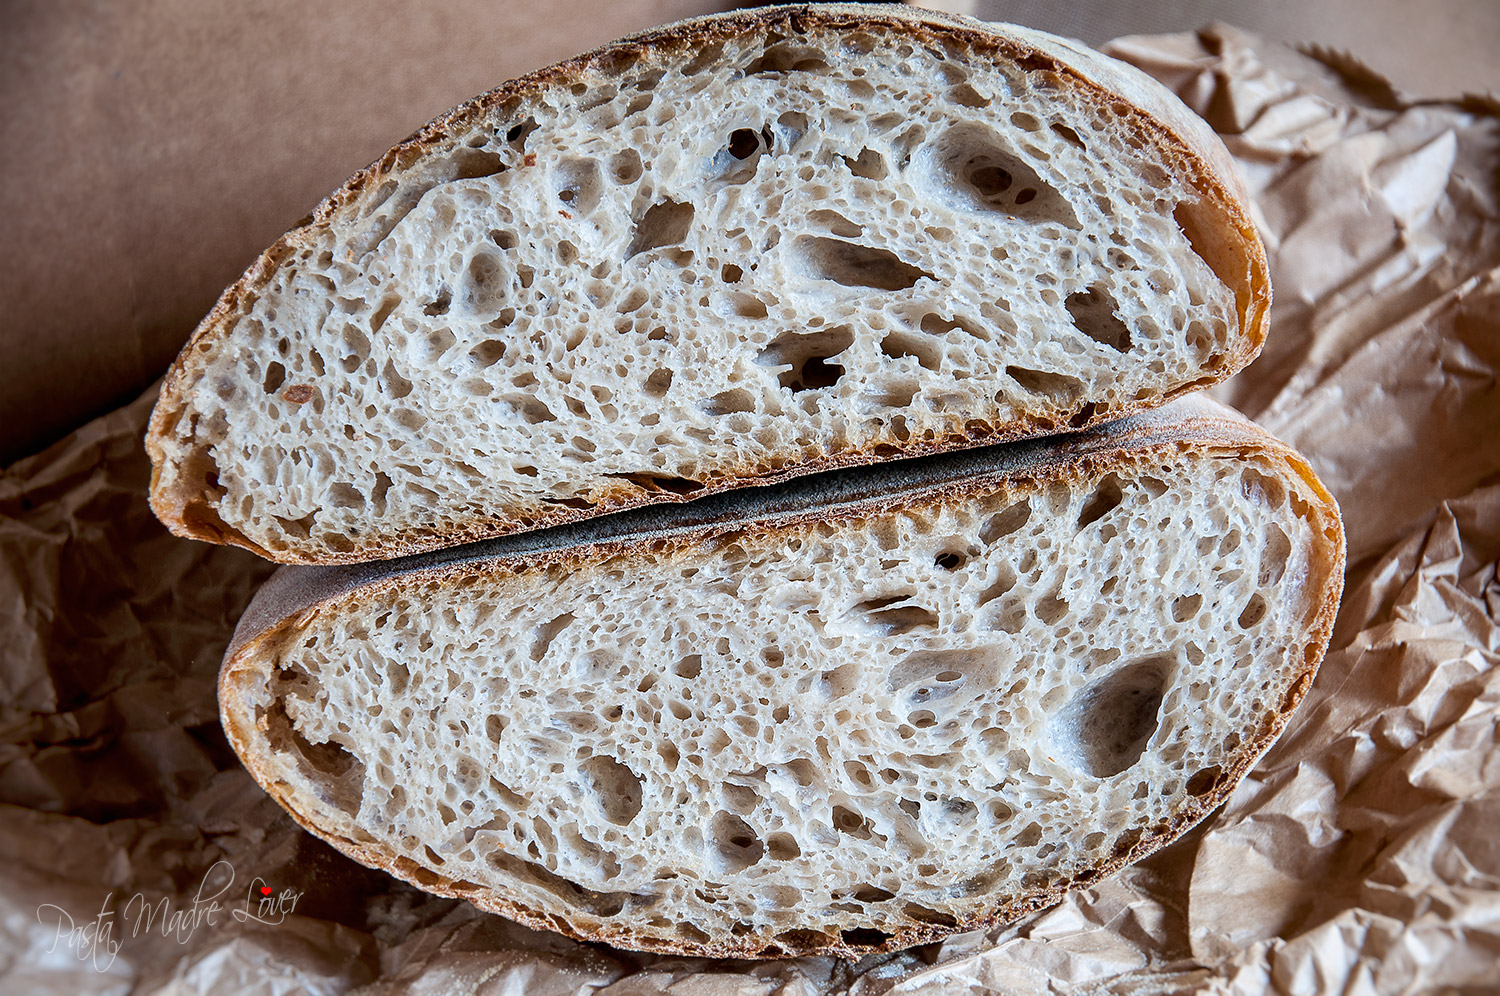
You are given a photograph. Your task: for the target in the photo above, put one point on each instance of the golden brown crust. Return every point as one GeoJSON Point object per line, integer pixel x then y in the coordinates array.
{"type": "Point", "coordinates": [1181, 138]}
{"type": "Point", "coordinates": [295, 594]}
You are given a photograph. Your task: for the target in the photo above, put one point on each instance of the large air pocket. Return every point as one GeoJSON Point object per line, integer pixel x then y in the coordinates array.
{"type": "Point", "coordinates": [1105, 728]}
{"type": "Point", "coordinates": [972, 169]}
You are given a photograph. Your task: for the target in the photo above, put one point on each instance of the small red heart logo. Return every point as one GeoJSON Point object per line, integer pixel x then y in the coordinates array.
{"type": "Point", "coordinates": [265, 890]}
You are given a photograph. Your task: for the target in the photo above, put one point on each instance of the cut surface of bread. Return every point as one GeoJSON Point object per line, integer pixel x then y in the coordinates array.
{"type": "Point", "coordinates": [921, 704]}
{"type": "Point", "coordinates": [723, 252]}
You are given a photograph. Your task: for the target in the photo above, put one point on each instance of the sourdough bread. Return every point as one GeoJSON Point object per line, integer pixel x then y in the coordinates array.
{"type": "Point", "coordinates": [726, 251]}
{"type": "Point", "coordinates": [852, 716]}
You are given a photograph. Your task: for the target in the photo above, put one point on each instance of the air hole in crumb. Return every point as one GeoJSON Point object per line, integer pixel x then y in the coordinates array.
{"type": "Point", "coordinates": [1185, 607]}
{"type": "Point", "coordinates": [835, 224]}
{"type": "Point", "coordinates": [789, 129]}
{"type": "Point", "coordinates": [852, 264]}
{"type": "Point", "coordinates": [869, 164]}
{"type": "Point", "coordinates": [707, 56]}
{"type": "Point", "coordinates": [1059, 388]}
{"type": "Point", "coordinates": [440, 304]}
{"type": "Point", "coordinates": [692, 933]}
{"type": "Point", "coordinates": [533, 411]}
{"type": "Point", "coordinates": [1068, 135]}
{"type": "Point", "coordinates": [1107, 496]}
{"type": "Point", "coordinates": [358, 343]}
{"type": "Point", "coordinates": [873, 894]}
{"type": "Point", "coordinates": [1084, 415]}
{"type": "Point", "coordinates": [743, 143]}
{"type": "Point", "coordinates": [1254, 611]}
{"type": "Point", "coordinates": [625, 166]}
{"type": "Point", "coordinates": [783, 846]}
{"type": "Point", "coordinates": [342, 495]}
{"type": "Point", "coordinates": [488, 353]}
{"type": "Point", "coordinates": [921, 348]}
{"type": "Point", "coordinates": [665, 223]}
{"type": "Point", "coordinates": [728, 402]}
{"type": "Point", "coordinates": [577, 184]}
{"type": "Point", "coordinates": [518, 133]}
{"type": "Point", "coordinates": [689, 667]}
{"type": "Point", "coordinates": [950, 561]}
{"type": "Point", "coordinates": [493, 727]}
{"type": "Point", "coordinates": [1051, 608]}
{"type": "Point", "coordinates": [973, 164]}
{"type": "Point", "coordinates": [616, 788]}
{"type": "Point", "coordinates": [966, 96]}
{"type": "Point", "coordinates": [377, 494]}
{"type": "Point", "coordinates": [475, 164]}
{"type": "Point", "coordinates": [1274, 556]}
{"type": "Point", "coordinates": [923, 914]}
{"type": "Point", "coordinates": [275, 377]}
{"type": "Point", "coordinates": [934, 324]}
{"type": "Point", "coordinates": [398, 385]}
{"type": "Point", "coordinates": [737, 162]}
{"type": "Point", "coordinates": [1108, 724]}
{"type": "Point", "coordinates": [806, 356]}
{"type": "Point", "coordinates": [652, 482]}
{"type": "Point", "coordinates": [1006, 522]}
{"type": "Point", "coordinates": [1258, 487]}
{"type": "Point", "coordinates": [1199, 222]}
{"type": "Point", "coordinates": [546, 633]}
{"type": "Point", "coordinates": [991, 181]}
{"type": "Point", "coordinates": [1205, 781]}
{"type": "Point", "coordinates": [657, 384]}
{"type": "Point", "coordinates": [485, 288]}
{"type": "Point", "coordinates": [734, 845]}
{"type": "Point", "coordinates": [787, 56]}
{"type": "Point", "coordinates": [740, 798]}
{"type": "Point", "coordinates": [1093, 313]}
{"type": "Point", "coordinates": [1004, 581]}
{"type": "Point", "coordinates": [864, 937]}
{"type": "Point", "coordinates": [887, 617]}
{"type": "Point", "coordinates": [433, 346]}
{"type": "Point", "coordinates": [338, 775]}
{"type": "Point", "coordinates": [848, 821]}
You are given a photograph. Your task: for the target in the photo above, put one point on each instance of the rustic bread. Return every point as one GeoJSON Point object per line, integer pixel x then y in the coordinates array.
{"type": "Point", "coordinates": [856, 715]}
{"type": "Point", "coordinates": [723, 252]}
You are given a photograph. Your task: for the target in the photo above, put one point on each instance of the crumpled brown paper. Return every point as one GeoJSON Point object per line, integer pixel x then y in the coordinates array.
{"type": "Point", "coordinates": [1361, 856]}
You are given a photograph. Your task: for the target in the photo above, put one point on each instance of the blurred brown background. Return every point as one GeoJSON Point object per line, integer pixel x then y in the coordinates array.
{"type": "Point", "coordinates": [150, 150]}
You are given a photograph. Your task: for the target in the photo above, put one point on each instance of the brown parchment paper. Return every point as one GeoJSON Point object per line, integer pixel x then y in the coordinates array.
{"type": "Point", "coordinates": [1361, 856]}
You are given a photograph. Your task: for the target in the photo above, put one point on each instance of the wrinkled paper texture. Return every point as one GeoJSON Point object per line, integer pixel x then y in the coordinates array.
{"type": "Point", "coordinates": [1361, 856]}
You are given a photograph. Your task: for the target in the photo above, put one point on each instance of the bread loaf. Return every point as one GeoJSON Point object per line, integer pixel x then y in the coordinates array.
{"type": "Point", "coordinates": [723, 252]}
{"type": "Point", "coordinates": [862, 714]}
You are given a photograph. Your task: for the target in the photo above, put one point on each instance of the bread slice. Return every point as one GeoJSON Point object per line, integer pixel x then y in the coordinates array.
{"type": "Point", "coordinates": [723, 252]}
{"type": "Point", "coordinates": [850, 717]}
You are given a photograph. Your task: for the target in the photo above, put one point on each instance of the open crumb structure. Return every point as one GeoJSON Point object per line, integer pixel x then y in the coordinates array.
{"type": "Point", "coordinates": [835, 734]}
{"type": "Point", "coordinates": [746, 248]}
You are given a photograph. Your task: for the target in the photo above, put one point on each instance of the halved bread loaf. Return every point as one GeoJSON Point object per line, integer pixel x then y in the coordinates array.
{"type": "Point", "coordinates": [858, 715]}
{"type": "Point", "coordinates": [722, 252]}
